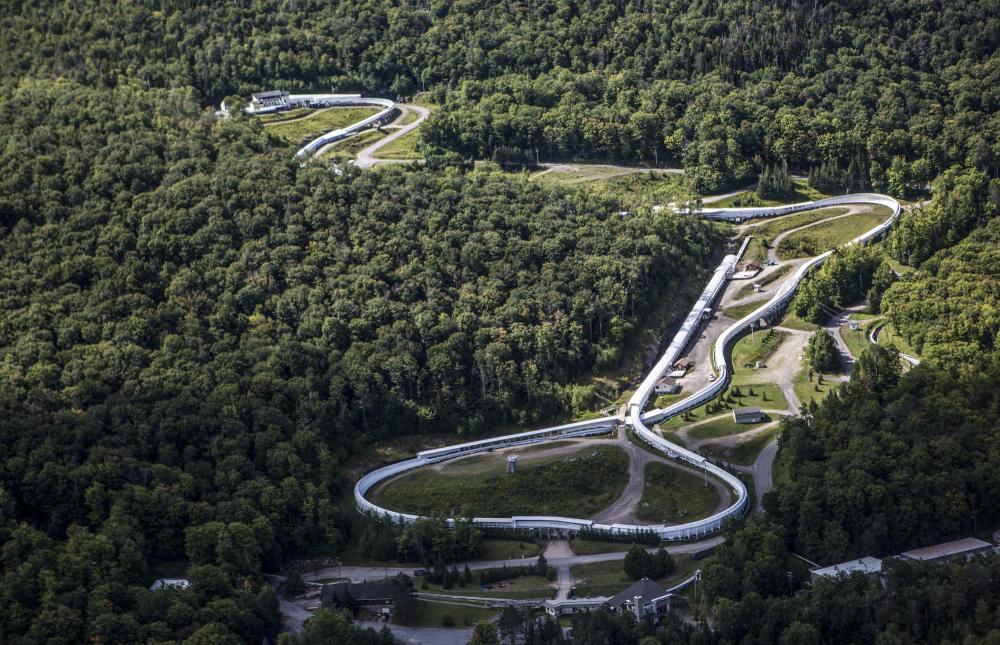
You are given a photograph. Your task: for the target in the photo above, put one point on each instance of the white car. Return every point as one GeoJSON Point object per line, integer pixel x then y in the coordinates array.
{"type": "Point", "coordinates": [711, 377]}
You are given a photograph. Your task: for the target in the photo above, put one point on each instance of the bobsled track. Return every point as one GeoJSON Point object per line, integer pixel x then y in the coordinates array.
{"type": "Point", "coordinates": [637, 420]}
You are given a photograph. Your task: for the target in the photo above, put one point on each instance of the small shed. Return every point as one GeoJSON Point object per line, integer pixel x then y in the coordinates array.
{"type": "Point", "coordinates": [748, 415]}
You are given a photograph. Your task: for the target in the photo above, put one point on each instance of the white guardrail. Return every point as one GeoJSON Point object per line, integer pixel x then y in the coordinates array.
{"type": "Point", "coordinates": [635, 418]}
{"type": "Point", "coordinates": [388, 110]}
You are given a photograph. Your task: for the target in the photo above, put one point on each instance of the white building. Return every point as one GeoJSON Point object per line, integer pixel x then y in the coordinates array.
{"type": "Point", "coordinates": [271, 101]}
{"type": "Point", "coordinates": [666, 385]}
{"type": "Point", "coordinates": [866, 565]}
{"type": "Point", "coordinates": [748, 415]}
{"type": "Point", "coordinates": [168, 584]}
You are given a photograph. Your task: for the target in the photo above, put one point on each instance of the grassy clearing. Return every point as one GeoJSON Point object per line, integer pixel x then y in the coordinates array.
{"type": "Point", "coordinates": [671, 495]}
{"type": "Point", "coordinates": [768, 228]}
{"type": "Point", "coordinates": [634, 188]}
{"type": "Point", "coordinates": [856, 340]}
{"type": "Point", "coordinates": [802, 192]}
{"type": "Point", "coordinates": [757, 347]}
{"type": "Point", "coordinates": [608, 578]}
{"type": "Point", "coordinates": [794, 322]}
{"type": "Point", "coordinates": [823, 237]}
{"type": "Point", "coordinates": [349, 148]}
{"type": "Point", "coordinates": [405, 147]}
{"type": "Point", "coordinates": [781, 470]}
{"type": "Point", "coordinates": [777, 274]}
{"type": "Point", "coordinates": [582, 546]}
{"type": "Point", "coordinates": [522, 587]}
{"type": "Point", "coordinates": [756, 250]}
{"type": "Point", "coordinates": [744, 453]}
{"type": "Point", "coordinates": [509, 549]}
{"type": "Point", "coordinates": [579, 483]}
{"type": "Point", "coordinates": [889, 336]}
{"type": "Point", "coordinates": [813, 390]}
{"type": "Point", "coordinates": [301, 130]}
{"type": "Point", "coordinates": [743, 392]}
{"type": "Point", "coordinates": [723, 426]}
{"type": "Point", "coordinates": [280, 117]}
{"type": "Point", "coordinates": [432, 614]}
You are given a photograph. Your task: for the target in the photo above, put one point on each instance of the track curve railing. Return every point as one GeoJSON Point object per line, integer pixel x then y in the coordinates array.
{"type": "Point", "coordinates": [636, 419]}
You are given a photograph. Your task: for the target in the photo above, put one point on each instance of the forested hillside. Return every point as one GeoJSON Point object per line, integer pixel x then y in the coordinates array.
{"type": "Point", "coordinates": [897, 91]}
{"type": "Point", "coordinates": [198, 331]}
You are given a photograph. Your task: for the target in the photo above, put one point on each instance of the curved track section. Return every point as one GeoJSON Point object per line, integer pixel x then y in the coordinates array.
{"type": "Point", "coordinates": [635, 417]}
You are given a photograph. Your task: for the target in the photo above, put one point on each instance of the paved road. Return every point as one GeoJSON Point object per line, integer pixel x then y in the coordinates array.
{"type": "Point", "coordinates": [761, 471]}
{"type": "Point", "coordinates": [366, 158]}
{"type": "Point", "coordinates": [358, 573]}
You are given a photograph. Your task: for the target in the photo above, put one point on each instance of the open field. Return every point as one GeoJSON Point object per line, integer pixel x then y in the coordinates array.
{"type": "Point", "coordinates": [856, 340]}
{"type": "Point", "coordinates": [807, 390]}
{"type": "Point", "coordinates": [431, 614]}
{"type": "Point", "coordinates": [582, 546]}
{"type": "Point", "coordinates": [633, 187]}
{"type": "Point", "coordinates": [672, 496]}
{"type": "Point", "coordinates": [405, 147]}
{"type": "Point", "coordinates": [743, 454]}
{"type": "Point", "coordinates": [769, 227]}
{"type": "Point", "coordinates": [756, 347]}
{"type": "Point", "coordinates": [825, 236]}
{"type": "Point", "coordinates": [738, 311]}
{"type": "Point", "coordinates": [522, 587]}
{"type": "Point", "coordinates": [608, 578]}
{"type": "Point", "coordinates": [508, 549]}
{"type": "Point", "coordinates": [301, 130]}
{"type": "Point", "coordinates": [349, 148]}
{"type": "Point", "coordinates": [794, 322]}
{"type": "Point", "coordinates": [723, 426]}
{"type": "Point", "coordinates": [779, 273]}
{"type": "Point", "coordinates": [579, 483]}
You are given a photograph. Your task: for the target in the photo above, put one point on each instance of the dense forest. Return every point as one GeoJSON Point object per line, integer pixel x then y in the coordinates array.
{"type": "Point", "coordinates": [199, 336]}
{"type": "Point", "coordinates": [900, 90]}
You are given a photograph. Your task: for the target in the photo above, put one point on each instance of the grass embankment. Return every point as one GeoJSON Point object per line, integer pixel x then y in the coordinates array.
{"type": "Point", "coordinates": [737, 312]}
{"type": "Point", "coordinates": [762, 395]}
{"type": "Point", "coordinates": [757, 347]}
{"type": "Point", "coordinates": [299, 131]}
{"type": "Point", "coordinates": [775, 275]}
{"type": "Point", "coordinates": [889, 336]}
{"type": "Point", "coordinates": [581, 546]}
{"type": "Point", "coordinates": [633, 188]}
{"type": "Point", "coordinates": [432, 614]}
{"type": "Point", "coordinates": [673, 496]}
{"type": "Point", "coordinates": [823, 237]}
{"type": "Point", "coordinates": [608, 578]}
{"type": "Point", "coordinates": [349, 148]}
{"type": "Point", "coordinates": [744, 453]}
{"type": "Point", "coordinates": [280, 117]}
{"type": "Point", "coordinates": [857, 340]}
{"type": "Point", "coordinates": [580, 483]}
{"type": "Point", "coordinates": [794, 322]}
{"type": "Point", "coordinates": [722, 426]}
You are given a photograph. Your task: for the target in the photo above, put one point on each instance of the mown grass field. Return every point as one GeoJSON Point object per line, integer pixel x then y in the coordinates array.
{"type": "Point", "coordinates": [522, 587]}
{"type": "Point", "coordinates": [608, 578]}
{"type": "Point", "coordinates": [405, 147]}
{"type": "Point", "coordinates": [579, 483]}
{"type": "Point", "coordinates": [278, 117]}
{"type": "Point", "coordinates": [431, 614]}
{"type": "Point", "coordinates": [744, 453]}
{"type": "Point", "coordinates": [756, 347]}
{"type": "Point", "coordinates": [581, 546]}
{"type": "Point", "coordinates": [508, 549]}
{"type": "Point", "coordinates": [813, 390]}
{"type": "Point", "coordinates": [723, 426]}
{"type": "Point", "coordinates": [823, 237]}
{"type": "Point", "coordinates": [299, 131]}
{"type": "Point", "coordinates": [349, 148]}
{"type": "Point", "coordinates": [672, 496]}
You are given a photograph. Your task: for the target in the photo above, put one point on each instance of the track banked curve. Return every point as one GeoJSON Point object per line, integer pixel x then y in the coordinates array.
{"type": "Point", "coordinates": [635, 418]}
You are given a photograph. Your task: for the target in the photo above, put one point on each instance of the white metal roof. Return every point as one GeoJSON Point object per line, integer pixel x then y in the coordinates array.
{"type": "Point", "coordinates": [864, 565]}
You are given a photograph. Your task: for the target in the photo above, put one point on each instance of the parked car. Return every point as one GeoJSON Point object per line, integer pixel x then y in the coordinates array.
{"type": "Point", "coordinates": [420, 572]}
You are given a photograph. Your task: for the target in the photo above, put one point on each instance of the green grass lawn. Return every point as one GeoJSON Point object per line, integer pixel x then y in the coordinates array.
{"type": "Point", "coordinates": [405, 147]}
{"type": "Point", "coordinates": [802, 192]}
{"type": "Point", "coordinates": [756, 250]}
{"type": "Point", "coordinates": [857, 340]}
{"type": "Point", "coordinates": [640, 188]}
{"type": "Point", "coordinates": [763, 395]}
{"type": "Point", "coordinates": [672, 496]}
{"type": "Point", "coordinates": [608, 578]}
{"type": "Point", "coordinates": [493, 549]}
{"type": "Point", "coordinates": [431, 614]}
{"type": "Point", "coordinates": [743, 454]}
{"type": "Point", "coordinates": [301, 130]}
{"type": "Point", "coordinates": [737, 312]}
{"type": "Point", "coordinates": [823, 237]}
{"type": "Point", "coordinates": [794, 322]}
{"type": "Point", "coordinates": [583, 546]}
{"type": "Point", "coordinates": [777, 274]}
{"type": "Point", "coordinates": [768, 228]}
{"type": "Point", "coordinates": [781, 469]}
{"type": "Point", "coordinates": [756, 347]}
{"type": "Point", "coordinates": [889, 336]}
{"type": "Point", "coordinates": [349, 148]}
{"type": "Point", "coordinates": [722, 426]}
{"type": "Point", "coordinates": [813, 390]}
{"type": "Point", "coordinates": [579, 483]}
{"type": "Point", "coordinates": [521, 587]}
{"type": "Point", "coordinates": [278, 117]}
